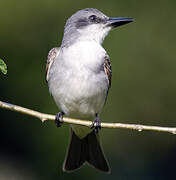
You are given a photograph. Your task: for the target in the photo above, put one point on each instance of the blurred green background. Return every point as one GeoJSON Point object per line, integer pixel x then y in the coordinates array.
{"type": "Point", "coordinates": [143, 90]}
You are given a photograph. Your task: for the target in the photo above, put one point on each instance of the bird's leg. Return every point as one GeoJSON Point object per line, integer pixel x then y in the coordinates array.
{"type": "Point", "coordinates": [59, 118]}
{"type": "Point", "coordinates": [96, 123]}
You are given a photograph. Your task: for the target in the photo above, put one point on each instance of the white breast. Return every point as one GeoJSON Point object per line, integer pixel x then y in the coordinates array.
{"type": "Point", "coordinates": [79, 86]}
{"type": "Point", "coordinates": [84, 53]}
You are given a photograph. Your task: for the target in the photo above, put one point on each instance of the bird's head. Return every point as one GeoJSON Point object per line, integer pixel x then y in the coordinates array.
{"type": "Point", "coordinates": [91, 24]}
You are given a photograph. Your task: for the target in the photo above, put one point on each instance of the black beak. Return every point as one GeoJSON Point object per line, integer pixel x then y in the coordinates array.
{"type": "Point", "coordinates": [115, 22]}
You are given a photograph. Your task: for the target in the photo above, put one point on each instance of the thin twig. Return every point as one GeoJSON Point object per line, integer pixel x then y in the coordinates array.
{"type": "Point", "coordinates": [43, 117]}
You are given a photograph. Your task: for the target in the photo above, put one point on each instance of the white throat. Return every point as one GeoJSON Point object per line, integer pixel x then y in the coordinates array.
{"type": "Point", "coordinates": [95, 32]}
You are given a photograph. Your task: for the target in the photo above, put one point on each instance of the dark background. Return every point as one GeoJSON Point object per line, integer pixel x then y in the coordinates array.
{"type": "Point", "coordinates": [143, 90]}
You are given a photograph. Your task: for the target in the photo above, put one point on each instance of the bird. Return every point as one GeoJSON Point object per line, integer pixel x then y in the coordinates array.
{"type": "Point", "coordinates": [79, 74]}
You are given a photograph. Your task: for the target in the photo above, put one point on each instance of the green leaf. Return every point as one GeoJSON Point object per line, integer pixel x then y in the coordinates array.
{"type": "Point", "coordinates": [3, 67]}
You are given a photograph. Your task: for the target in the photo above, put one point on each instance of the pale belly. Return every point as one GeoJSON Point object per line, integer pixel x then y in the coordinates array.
{"type": "Point", "coordinates": [78, 83]}
{"type": "Point", "coordinates": [81, 97]}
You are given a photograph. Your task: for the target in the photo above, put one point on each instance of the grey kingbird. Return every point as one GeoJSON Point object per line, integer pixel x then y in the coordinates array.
{"type": "Point", "coordinates": [79, 77]}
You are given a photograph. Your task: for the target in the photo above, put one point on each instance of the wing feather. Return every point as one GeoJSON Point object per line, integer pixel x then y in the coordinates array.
{"type": "Point", "coordinates": [53, 53]}
{"type": "Point", "coordinates": [107, 69]}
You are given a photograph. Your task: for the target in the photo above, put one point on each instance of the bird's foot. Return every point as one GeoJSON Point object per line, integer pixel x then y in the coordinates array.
{"type": "Point", "coordinates": [59, 119]}
{"type": "Point", "coordinates": [96, 124]}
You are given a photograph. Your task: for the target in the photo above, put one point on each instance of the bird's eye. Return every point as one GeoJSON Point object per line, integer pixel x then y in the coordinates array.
{"type": "Point", "coordinates": [92, 18]}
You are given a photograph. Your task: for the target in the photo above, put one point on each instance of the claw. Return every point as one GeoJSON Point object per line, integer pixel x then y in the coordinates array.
{"type": "Point", "coordinates": [96, 124]}
{"type": "Point", "coordinates": [58, 119]}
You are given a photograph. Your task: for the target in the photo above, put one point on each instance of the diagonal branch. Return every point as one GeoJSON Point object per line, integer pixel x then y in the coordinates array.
{"type": "Point", "coordinates": [43, 117]}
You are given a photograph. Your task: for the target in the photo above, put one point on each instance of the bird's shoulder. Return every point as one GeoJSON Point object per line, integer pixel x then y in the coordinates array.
{"type": "Point", "coordinates": [107, 69]}
{"type": "Point", "coordinates": [53, 53]}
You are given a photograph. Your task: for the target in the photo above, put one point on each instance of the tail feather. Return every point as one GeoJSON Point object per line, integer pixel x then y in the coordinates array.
{"type": "Point", "coordinates": [86, 149]}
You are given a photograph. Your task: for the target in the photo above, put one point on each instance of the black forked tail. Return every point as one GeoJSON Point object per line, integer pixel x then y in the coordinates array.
{"type": "Point", "coordinates": [86, 149]}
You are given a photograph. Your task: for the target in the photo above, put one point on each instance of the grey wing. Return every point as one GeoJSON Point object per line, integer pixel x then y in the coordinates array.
{"type": "Point", "coordinates": [107, 69]}
{"type": "Point", "coordinates": [53, 53]}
